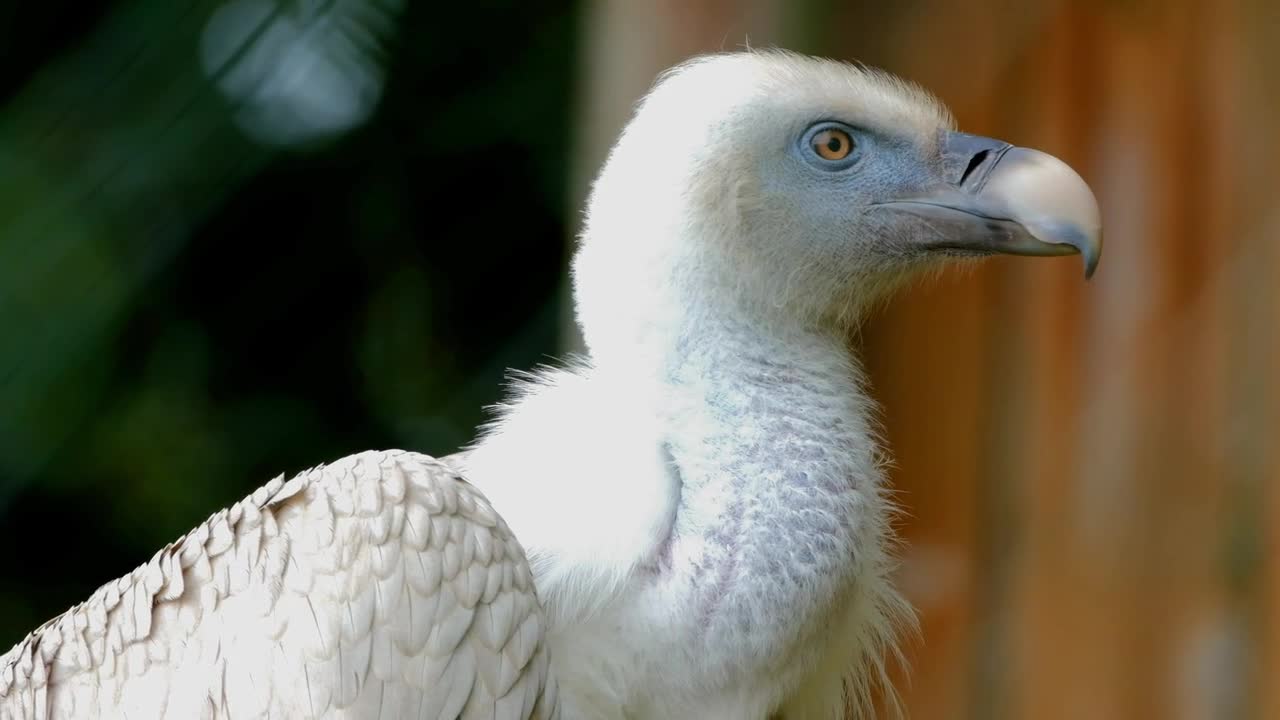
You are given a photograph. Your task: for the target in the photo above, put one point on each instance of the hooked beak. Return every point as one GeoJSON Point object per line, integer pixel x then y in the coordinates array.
{"type": "Point", "coordinates": [998, 198]}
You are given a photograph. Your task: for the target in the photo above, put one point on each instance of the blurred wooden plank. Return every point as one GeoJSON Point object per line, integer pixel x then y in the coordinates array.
{"type": "Point", "coordinates": [1250, 100]}
{"type": "Point", "coordinates": [1201, 641]}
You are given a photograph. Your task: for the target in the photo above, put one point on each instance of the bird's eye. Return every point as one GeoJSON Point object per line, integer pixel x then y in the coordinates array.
{"type": "Point", "coordinates": [832, 144]}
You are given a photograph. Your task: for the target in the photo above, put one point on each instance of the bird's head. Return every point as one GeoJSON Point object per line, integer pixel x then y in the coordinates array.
{"type": "Point", "coordinates": [800, 189]}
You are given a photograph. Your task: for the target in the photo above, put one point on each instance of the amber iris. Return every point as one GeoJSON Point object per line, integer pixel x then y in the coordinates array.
{"type": "Point", "coordinates": [832, 144]}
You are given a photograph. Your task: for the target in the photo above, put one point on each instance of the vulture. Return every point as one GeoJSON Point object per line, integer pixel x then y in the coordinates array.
{"type": "Point", "coordinates": [689, 521]}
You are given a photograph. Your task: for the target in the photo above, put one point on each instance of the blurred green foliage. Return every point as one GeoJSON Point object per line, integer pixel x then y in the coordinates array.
{"type": "Point", "coordinates": [186, 311]}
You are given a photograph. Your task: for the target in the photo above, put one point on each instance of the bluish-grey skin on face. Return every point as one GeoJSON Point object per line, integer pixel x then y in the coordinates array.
{"type": "Point", "coordinates": [892, 198]}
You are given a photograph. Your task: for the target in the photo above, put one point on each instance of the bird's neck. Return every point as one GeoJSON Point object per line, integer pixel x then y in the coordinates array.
{"type": "Point", "coordinates": [770, 434]}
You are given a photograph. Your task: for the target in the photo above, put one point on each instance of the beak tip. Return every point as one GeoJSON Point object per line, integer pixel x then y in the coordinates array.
{"type": "Point", "coordinates": [1054, 202]}
{"type": "Point", "coordinates": [1091, 253]}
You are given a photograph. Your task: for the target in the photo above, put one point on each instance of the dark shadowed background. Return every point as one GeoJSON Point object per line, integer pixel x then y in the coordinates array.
{"type": "Point", "coordinates": [244, 237]}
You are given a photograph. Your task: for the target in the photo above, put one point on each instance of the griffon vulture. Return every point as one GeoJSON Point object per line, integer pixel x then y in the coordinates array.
{"type": "Point", "coordinates": [689, 522]}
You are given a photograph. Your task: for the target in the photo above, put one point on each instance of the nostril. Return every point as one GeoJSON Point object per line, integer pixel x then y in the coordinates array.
{"type": "Point", "coordinates": [974, 162]}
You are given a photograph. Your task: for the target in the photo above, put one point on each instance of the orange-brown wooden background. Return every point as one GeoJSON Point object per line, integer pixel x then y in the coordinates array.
{"type": "Point", "coordinates": [1088, 469]}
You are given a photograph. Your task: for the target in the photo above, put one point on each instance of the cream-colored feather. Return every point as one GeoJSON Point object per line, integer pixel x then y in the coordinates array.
{"type": "Point", "coordinates": [379, 586]}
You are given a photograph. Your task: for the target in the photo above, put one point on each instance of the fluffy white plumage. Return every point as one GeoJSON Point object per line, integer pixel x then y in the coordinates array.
{"type": "Point", "coordinates": [701, 498]}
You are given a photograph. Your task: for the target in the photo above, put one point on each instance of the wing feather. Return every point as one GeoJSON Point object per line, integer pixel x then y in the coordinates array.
{"type": "Point", "coordinates": [380, 586]}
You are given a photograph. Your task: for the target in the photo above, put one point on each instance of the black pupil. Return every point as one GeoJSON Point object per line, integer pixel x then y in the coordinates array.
{"type": "Point", "coordinates": [835, 143]}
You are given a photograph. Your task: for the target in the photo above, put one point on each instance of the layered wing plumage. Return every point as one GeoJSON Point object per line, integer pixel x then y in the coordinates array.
{"type": "Point", "coordinates": [380, 586]}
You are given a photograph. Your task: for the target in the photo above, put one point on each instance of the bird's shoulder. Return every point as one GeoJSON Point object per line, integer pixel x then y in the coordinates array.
{"type": "Point", "coordinates": [577, 465]}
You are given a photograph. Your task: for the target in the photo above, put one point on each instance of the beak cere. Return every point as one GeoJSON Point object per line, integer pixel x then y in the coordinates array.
{"type": "Point", "coordinates": [998, 198]}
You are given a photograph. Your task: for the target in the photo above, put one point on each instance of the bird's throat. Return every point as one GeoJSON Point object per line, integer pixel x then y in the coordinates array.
{"type": "Point", "coordinates": [780, 488]}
